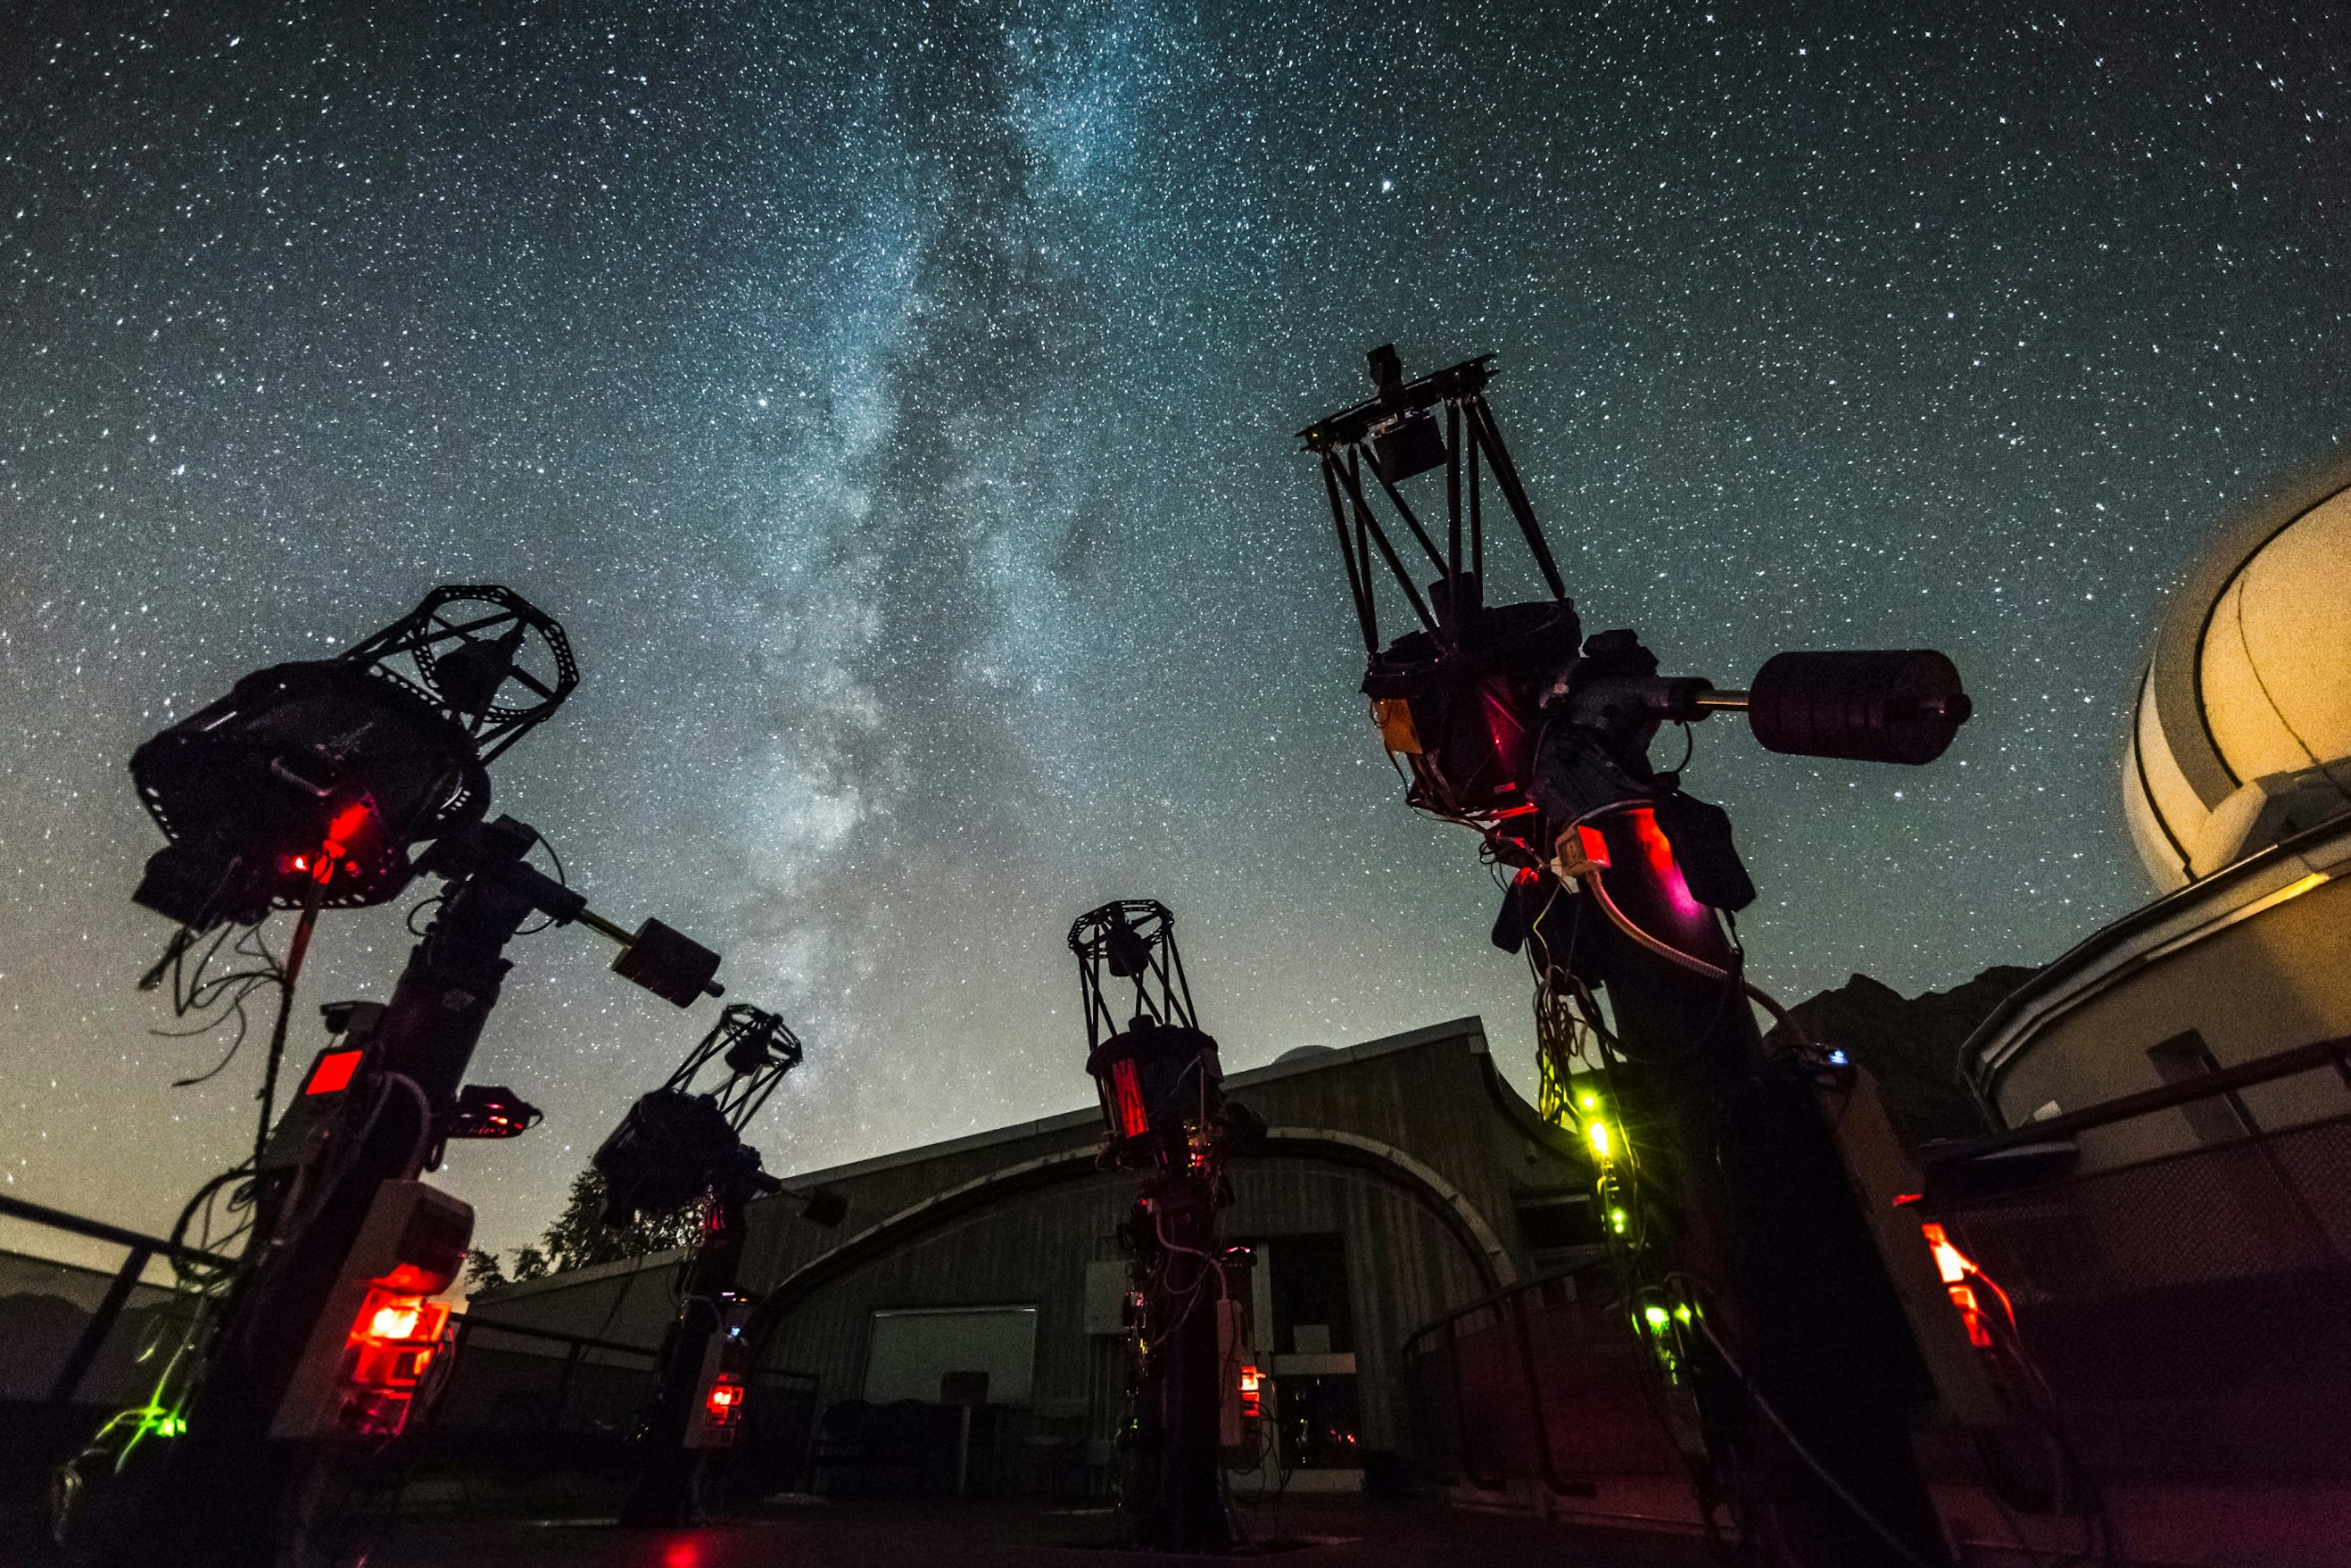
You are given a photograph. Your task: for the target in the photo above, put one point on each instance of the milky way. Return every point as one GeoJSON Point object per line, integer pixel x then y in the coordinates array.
{"type": "Point", "coordinates": [894, 405]}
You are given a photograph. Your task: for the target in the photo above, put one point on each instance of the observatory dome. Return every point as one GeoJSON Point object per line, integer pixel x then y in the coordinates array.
{"type": "Point", "coordinates": [2242, 730]}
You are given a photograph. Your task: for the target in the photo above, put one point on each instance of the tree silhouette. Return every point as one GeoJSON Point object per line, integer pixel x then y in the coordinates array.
{"type": "Point", "coordinates": [579, 1238]}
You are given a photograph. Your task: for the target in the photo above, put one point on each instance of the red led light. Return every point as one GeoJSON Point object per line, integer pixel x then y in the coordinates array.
{"type": "Point", "coordinates": [1961, 1276]}
{"type": "Point", "coordinates": [725, 1400]}
{"type": "Point", "coordinates": [393, 1340]}
{"type": "Point", "coordinates": [333, 1075]}
{"type": "Point", "coordinates": [1949, 1261]}
{"type": "Point", "coordinates": [396, 1319]}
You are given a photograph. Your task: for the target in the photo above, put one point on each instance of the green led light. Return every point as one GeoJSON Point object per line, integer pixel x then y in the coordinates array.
{"type": "Point", "coordinates": [1592, 1102]}
{"type": "Point", "coordinates": [1682, 1313]}
{"type": "Point", "coordinates": [1597, 1131]}
{"type": "Point", "coordinates": [1657, 1318]}
{"type": "Point", "coordinates": [1617, 1221]}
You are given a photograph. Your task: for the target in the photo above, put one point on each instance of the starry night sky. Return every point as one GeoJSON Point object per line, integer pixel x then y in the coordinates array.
{"type": "Point", "coordinates": [894, 403]}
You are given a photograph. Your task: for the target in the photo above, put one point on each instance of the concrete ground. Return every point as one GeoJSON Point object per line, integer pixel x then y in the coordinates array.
{"type": "Point", "coordinates": [1320, 1532]}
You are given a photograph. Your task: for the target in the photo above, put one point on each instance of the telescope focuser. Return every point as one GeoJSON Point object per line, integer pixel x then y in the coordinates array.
{"type": "Point", "coordinates": [1864, 706]}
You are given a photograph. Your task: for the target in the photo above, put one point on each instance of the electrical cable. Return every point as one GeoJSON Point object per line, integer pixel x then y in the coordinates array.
{"type": "Point", "coordinates": [423, 1116]}
{"type": "Point", "coordinates": [2068, 1473]}
{"type": "Point", "coordinates": [289, 975]}
{"type": "Point", "coordinates": [1191, 1293]}
{"type": "Point", "coordinates": [199, 993]}
{"type": "Point", "coordinates": [1556, 984]}
{"type": "Point", "coordinates": [1590, 882]}
{"type": "Point", "coordinates": [430, 901]}
{"type": "Point", "coordinates": [2007, 1515]}
{"type": "Point", "coordinates": [1690, 749]}
{"type": "Point", "coordinates": [1852, 1503]}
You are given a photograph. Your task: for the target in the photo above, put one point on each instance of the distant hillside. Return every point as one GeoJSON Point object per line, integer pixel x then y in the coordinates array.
{"type": "Point", "coordinates": [1911, 1045]}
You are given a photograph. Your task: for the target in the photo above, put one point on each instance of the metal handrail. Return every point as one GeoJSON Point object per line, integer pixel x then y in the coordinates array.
{"type": "Point", "coordinates": [99, 1230]}
{"type": "Point", "coordinates": [2334, 1052]}
{"type": "Point", "coordinates": [139, 1251]}
{"type": "Point", "coordinates": [1506, 1304]}
{"type": "Point", "coordinates": [1492, 1298]}
{"type": "Point", "coordinates": [467, 1323]}
{"type": "Point", "coordinates": [463, 1327]}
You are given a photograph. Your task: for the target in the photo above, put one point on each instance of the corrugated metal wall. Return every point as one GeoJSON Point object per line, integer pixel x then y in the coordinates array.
{"type": "Point", "coordinates": [1403, 1268]}
{"type": "Point", "coordinates": [1432, 1094]}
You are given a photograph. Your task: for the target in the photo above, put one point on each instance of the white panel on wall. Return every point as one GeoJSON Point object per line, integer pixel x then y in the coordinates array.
{"type": "Point", "coordinates": [914, 1347]}
{"type": "Point", "coordinates": [1106, 1287]}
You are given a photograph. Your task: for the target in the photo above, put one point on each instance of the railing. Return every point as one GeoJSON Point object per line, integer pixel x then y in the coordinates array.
{"type": "Point", "coordinates": [58, 1320]}
{"type": "Point", "coordinates": [2190, 1313]}
{"type": "Point", "coordinates": [1967, 1166]}
{"type": "Point", "coordinates": [579, 1395]}
{"type": "Point", "coordinates": [73, 1369]}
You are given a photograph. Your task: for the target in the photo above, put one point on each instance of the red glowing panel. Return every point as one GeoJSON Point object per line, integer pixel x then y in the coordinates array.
{"type": "Point", "coordinates": [414, 1280]}
{"type": "Point", "coordinates": [1961, 1278]}
{"type": "Point", "coordinates": [1979, 1331]}
{"type": "Point", "coordinates": [1504, 726]}
{"type": "Point", "coordinates": [1595, 846]}
{"type": "Point", "coordinates": [1660, 855]}
{"type": "Point", "coordinates": [1949, 1261]}
{"type": "Point", "coordinates": [333, 1075]}
{"type": "Point", "coordinates": [723, 1402]}
{"type": "Point", "coordinates": [1131, 1121]}
{"type": "Point", "coordinates": [396, 1319]}
{"type": "Point", "coordinates": [346, 826]}
{"type": "Point", "coordinates": [393, 1340]}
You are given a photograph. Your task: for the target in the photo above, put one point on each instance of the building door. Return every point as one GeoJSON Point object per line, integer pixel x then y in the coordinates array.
{"type": "Point", "coordinates": [1305, 1313]}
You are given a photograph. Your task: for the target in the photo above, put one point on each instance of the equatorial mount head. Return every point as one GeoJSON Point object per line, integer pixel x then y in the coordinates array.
{"type": "Point", "coordinates": [310, 780]}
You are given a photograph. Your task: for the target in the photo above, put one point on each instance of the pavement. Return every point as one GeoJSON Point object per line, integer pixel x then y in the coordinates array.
{"type": "Point", "coordinates": [1321, 1532]}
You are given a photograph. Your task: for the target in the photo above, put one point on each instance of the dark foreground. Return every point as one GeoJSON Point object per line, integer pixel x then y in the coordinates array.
{"type": "Point", "coordinates": [1323, 1533]}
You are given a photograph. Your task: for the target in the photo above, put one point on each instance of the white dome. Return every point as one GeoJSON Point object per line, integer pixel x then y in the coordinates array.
{"type": "Point", "coordinates": [2243, 733]}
